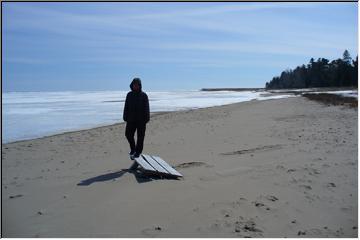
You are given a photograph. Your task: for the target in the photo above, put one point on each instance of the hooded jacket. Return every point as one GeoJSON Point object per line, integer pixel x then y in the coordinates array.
{"type": "Point", "coordinates": [136, 107]}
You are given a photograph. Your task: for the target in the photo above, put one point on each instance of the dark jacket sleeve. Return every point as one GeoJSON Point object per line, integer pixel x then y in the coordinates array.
{"type": "Point", "coordinates": [126, 108]}
{"type": "Point", "coordinates": [147, 109]}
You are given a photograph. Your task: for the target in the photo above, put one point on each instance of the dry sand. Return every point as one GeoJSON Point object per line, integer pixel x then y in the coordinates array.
{"type": "Point", "coordinates": [276, 168]}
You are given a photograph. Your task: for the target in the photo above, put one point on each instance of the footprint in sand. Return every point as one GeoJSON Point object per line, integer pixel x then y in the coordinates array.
{"type": "Point", "coordinates": [271, 198]}
{"type": "Point", "coordinates": [291, 170]}
{"type": "Point", "coordinates": [41, 212]}
{"type": "Point", "coordinates": [247, 227]}
{"type": "Point", "coordinates": [254, 150]}
{"type": "Point", "coordinates": [312, 171]}
{"type": "Point", "coordinates": [347, 209]}
{"type": "Point", "coordinates": [15, 196]}
{"type": "Point", "coordinates": [226, 213]}
{"type": "Point", "coordinates": [192, 164]}
{"type": "Point", "coordinates": [152, 232]}
{"type": "Point", "coordinates": [260, 204]}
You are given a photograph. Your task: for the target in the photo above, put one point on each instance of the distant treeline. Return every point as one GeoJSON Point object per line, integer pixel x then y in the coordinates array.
{"type": "Point", "coordinates": [321, 73]}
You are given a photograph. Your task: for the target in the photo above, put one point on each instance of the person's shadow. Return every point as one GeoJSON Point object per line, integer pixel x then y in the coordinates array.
{"type": "Point", "coordinates": [140, 177]}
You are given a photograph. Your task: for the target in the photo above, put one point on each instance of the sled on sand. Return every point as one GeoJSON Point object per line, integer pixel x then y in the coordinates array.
{"type": "Point", "coordinates": [156, 165]}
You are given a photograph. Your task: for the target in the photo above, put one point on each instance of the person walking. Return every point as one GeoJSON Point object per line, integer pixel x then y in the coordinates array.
{"type": "Point", "coordinates": [136, 115]}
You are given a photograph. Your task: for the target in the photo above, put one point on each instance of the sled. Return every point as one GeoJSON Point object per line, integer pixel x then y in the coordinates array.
{"type": "Point", "coordinates": [156, 165]}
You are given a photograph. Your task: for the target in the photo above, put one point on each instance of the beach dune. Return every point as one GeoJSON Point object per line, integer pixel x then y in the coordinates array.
{"type": "Point", "coordinates": [275, 168]}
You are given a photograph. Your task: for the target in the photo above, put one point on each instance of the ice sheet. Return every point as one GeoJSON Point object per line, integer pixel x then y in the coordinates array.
{"type": "Point", "coordinates": [29, 115]}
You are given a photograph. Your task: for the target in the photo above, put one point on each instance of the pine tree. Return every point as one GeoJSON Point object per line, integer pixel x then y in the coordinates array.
{"type": "Point", "coordinates": [346, 57]}
{"type": "Point", "coordinates": [320, 73]}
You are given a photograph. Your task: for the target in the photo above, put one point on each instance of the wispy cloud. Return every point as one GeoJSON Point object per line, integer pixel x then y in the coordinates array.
{"type": "Point", "coordinates": [30, 61]}
{"type": "Point", "coordinates": [280, 47]}
{"type": "Point", "coordinates": [221, 8]}
{"type": "Point", "coordinates": [183, 61]}
{"type": "Point", "coordinates": [147, 30]}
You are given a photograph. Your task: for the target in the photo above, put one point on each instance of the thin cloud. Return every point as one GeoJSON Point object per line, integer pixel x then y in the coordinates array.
{"type": "Point", "coordinates": [61, 22]}
{"type": "Point", "coordinates": [184, 61]}
{"type": "Point", "coordinates": [300, 49]}
{"type": "Point", "coordinates": [221, 9]}
{"type": "Point", "coordinates": [30, 61]}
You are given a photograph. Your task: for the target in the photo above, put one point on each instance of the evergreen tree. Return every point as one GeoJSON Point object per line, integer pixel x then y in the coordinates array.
{"type": "Point", "coordinates": [321, 73]}
{"type": "Point", "coordinates": [347, 57]}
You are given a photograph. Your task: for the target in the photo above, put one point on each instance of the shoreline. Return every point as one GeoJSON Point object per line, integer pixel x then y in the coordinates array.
{"type": "Point", "coordinates": [268, 93]}
{"type": "Point", "coordinates": [77, 130]}
{"type": "Point", "coordinates": [153, 114]}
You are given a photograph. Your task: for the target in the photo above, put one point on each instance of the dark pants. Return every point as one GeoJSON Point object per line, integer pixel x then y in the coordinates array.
{"type": "Point", "coordinates": [140, 128]}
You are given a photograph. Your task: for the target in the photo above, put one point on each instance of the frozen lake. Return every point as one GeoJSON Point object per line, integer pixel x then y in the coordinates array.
{"type": "Point", "coordinates": [28, 115]}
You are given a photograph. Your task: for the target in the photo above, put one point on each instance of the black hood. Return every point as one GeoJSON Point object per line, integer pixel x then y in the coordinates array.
{"type": "Point", "coordinates": [136, 80]}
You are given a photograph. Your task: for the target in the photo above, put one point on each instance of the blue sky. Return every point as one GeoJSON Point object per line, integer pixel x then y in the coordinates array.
{"type": "Point", "coordinates": [170, 46]}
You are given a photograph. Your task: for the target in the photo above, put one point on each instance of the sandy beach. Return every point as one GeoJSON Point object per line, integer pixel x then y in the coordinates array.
{"type": "Point", "coordinates": [274, 168]}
